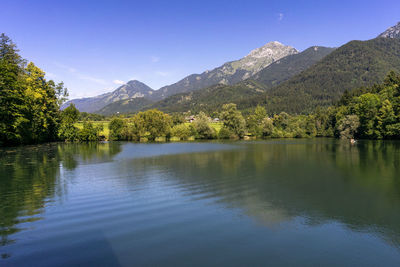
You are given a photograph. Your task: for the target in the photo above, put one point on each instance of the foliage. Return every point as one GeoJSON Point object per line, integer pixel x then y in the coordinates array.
{"type": "Point", "coordinates": [267, 126]}
{"type": "Point", "coordinates": [29, 104]}
{"type": "Point", "coordinates": [85, 116]}
{"type": "Point", "coordinates": [233, 119]}
{"type": "Point", "coordinates": [348, 126]}
{"type": "Point", "coordinates": [116, 127]}
{"type": "Point", "coordinates": [254, 121]}
{"type": "Point", "coordinates": [377, 109]}
{"type": "Point", "coordinates": [225, 133]}
{"type": "Point", "coordinates": [89, 132]}
{"type": "Point", "coordinates": [152, 123]}
{"type": "Point", "coordinates": [202, 127]}
{"type": "Point", "coordinates": [68, 131]}
{"type": "Point", "coordinates": [182, 131]}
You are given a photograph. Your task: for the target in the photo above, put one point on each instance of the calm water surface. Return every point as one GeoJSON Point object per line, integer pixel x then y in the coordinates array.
{"type": "Point", "coordinates": [278, 202]}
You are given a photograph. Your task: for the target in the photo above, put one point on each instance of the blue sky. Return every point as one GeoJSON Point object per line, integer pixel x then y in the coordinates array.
{"type": "Point", "coordinates": [94, 45]}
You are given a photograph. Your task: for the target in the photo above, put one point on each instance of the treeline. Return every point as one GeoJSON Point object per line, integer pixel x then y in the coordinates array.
{"type": "Point", "coordinates": [29, 104]}
{"type": "Point", "coordinates": [30, 113]}
{"type": "Point", "coordinates": [366, 113]}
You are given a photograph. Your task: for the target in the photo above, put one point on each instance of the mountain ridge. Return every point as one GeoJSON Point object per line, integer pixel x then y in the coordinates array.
{"type": "Point", "coordinates": [230, 72]}
{"type": "Point", "coordinates": [130, 90]}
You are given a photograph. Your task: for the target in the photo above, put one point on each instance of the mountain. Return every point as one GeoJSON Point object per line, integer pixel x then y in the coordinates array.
{"type": "Point", "coordinates": [126, 106]}
{"type": "Point", "coordinates": [353, 65]}
{"type": "Point", "coordinates": [287, 67]}
{"type": "Point", "coordinates": [392, 32]}
{"type": "Point", "coordinates": [230, 72]}
{"type": "Point", "coordinates": [132, 89]}
{"type": "Point", "coordinates": [211, 98]}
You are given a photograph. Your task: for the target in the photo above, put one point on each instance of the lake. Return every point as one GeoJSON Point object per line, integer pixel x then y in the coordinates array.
{"type": "Point", "coordinates": [274, 202]}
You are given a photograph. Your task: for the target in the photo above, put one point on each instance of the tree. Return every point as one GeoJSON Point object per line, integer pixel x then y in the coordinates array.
{"type": "Point", "coordinates": [152, 123]}
{"type": "Point", "coordinates": [255, 120]}
{"type": "Point", "coordinates": [233, 119]}
{"type": "Point", "coordinates": [348, 126]}
{"type": "Point", "coordinates": [42, 109]}
{"type": "Point", "coordinates": [202, 127]}
{"type": "Point", "coordinates": [116, 127]}
{"type": "Point", "coordinates": [267, 126]}
{"type": "Point", "coordinates": [282, 120]}
{"type": "Point", "coordinates": [366, 107]}
{"type": "Point", "coordinates": [69, 117]}
{"type": "Point", "coordinates": [386, 117]}
{"type": "Point", "coordinates": [29, 105]}
{"type": "Point", "coordinates": [11, 92]}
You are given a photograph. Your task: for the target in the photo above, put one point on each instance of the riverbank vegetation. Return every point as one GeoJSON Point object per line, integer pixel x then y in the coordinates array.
{"type": "Point", "coordinates": [30, 113]}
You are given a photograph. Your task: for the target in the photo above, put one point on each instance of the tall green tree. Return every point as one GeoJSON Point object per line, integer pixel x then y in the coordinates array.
{"type": "Point", "coordinates": [68, 131]}
{"type": "Point", "coordinates": [233, 119]}
{"type": "Point", "coordinates": [12, 106]}
{"type": "Point", "coordinates": [254, 121]}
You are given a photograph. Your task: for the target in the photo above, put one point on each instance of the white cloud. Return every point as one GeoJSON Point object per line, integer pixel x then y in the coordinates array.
{"type": "Point", "coordinates": [118, 82]}
{"type": "Point", "coordinates": [280, 16]}
{"type": "Point", "coordinates": [155, 59]}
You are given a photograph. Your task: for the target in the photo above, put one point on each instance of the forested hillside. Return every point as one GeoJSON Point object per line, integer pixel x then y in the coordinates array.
{"type": "Point", "coordinates": [355, 64]}
{"type": "Point", "coordinates": [245, 94]}
{"type": "Point", "coordinates": [289, 66]}
{"type": "Point", "coordinates": [211, 98]}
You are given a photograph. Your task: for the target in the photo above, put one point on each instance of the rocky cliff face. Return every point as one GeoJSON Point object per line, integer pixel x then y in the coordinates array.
{"type": "Point", "coordinates": [230, 72]}
{"type": "Point", "coordinates": [392, 32]}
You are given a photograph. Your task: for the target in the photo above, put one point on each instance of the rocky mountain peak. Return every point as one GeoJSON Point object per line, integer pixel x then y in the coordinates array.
{"type": "Point", "coordinates": [270, 49]}
{"type": "Point", "coordinates": [392, 32]}
{"type": "Point", "coordinates": [261, 57]}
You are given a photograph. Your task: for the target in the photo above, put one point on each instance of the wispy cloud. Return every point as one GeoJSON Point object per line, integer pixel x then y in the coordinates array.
{"type": "Point", "coordinates": [65, 67]}
{"type": "Point", "coordinates": [118, 82]}
{"type": "Point", "coordinates": [90, 78]}
{"type": "Point", "coordinates": [280, 16]}
{"type": "Point", "coordinates": [81, 76]}
{"type": "Point", "coordinates": [155, 59]}
{"type": "Point", "coordinates": [162, 73]}
{"type": "Point", "coordinates": [82, 94]}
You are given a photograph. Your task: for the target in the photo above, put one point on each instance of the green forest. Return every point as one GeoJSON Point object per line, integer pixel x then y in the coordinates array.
{"type": "Point", "coordinates": [30, 113]}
